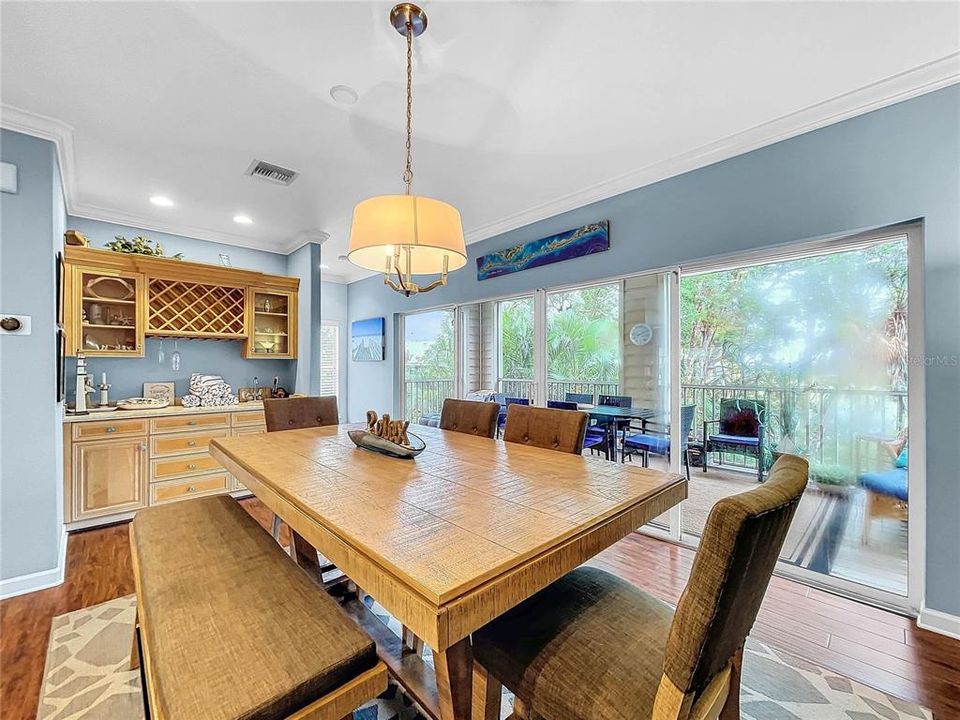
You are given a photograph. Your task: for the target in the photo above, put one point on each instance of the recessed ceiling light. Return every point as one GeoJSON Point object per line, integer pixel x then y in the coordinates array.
{"type": "Point", "coordinates": [344, 94]}
{"type": "Point", "coordinates": [161, 201]}
{"type": "Point", "coordinates": [242, 219]}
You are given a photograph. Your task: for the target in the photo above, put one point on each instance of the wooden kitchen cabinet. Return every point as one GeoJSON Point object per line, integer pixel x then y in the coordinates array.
{"type": "Point", "coordinates": [271, 324]}
{"type": "Point", "coordinates": [115, 466]}
{"type": "Point", "coordinates": [113, 301]}
{"type": "Point", "coordinates": [107, 312]}
{"type": "Point", "coordinates": [109, 476]}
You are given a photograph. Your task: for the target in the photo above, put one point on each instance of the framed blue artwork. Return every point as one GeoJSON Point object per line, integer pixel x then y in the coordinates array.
{"type": "Point", "coordinates": [368, 339]}
{"type": "Point", "coordinates": [586, 240]}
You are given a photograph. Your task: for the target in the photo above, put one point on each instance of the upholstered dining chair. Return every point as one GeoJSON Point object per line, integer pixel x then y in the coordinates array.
{"type": "Point", "coordinates": [594, 646]}
{"type": "Point", "coordinates": [470, 417]}
{"type": "Point", "coordinates": [296, 414]}
{"type": "Point", "coordinates": [560, 430]}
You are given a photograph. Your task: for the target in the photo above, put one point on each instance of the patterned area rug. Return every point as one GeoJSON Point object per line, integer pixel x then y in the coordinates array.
{"type": "Point", "coordinates": [87, 677]}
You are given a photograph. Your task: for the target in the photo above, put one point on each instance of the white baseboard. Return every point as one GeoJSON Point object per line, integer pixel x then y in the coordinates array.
{"type": "Point", "coordinates": [22, 584]}
{"type": "Point", "coordinates": [939, 622]}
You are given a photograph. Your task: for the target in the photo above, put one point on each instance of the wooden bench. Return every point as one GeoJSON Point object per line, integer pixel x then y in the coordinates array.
{"type": "Point", "coordinates": [228, 627]}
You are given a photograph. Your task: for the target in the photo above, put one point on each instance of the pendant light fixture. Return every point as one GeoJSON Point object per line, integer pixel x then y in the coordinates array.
{"type": "Point", "coordinates": [407, 235]}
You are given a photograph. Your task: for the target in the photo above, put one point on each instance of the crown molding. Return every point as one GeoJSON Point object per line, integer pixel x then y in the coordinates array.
{"type": "Point", "coordinates": [47, 128]}
{"type": "Point", "coordinates": [305, 237]}
{"type": "Point", "coordinates": [917, 81]}
{"type": "Point", "coordinates": [925, 78]}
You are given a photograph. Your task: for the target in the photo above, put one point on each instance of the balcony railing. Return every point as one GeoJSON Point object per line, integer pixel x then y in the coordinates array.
{"type": "Point", "coordinates": [556, 389]}
{"type": "Point", "coordinates": [826, 422]}
{"type": "Point", "coordinates": [424, 397]}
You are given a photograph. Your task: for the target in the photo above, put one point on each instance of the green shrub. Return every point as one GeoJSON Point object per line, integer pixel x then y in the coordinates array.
{"type": "Point", "coordinates": [833, 475]}
{"type": "Point", "coordinates": [138, 246]}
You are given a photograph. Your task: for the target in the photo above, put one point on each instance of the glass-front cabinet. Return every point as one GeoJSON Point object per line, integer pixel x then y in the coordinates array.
{"type": "Point", "coordinates": [110, 320]}
{"type": "Point", "coordinates": [271, 324]}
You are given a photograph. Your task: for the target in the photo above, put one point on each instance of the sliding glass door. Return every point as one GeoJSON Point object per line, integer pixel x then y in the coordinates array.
{"type": "Point", "coordinates": [429, 363]}
{"type": "Point", "coordinates": [809, 355]}
{"type": "Point", "coordinates": [583, 343]}
{"type": "Point", "coordinates": [516, 347]}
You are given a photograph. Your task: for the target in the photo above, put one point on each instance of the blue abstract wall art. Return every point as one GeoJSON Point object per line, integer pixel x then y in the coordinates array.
{"type": "Point", "coordinates": [586, 240]}
{"type": "Point", "coordinates": [368, 339]}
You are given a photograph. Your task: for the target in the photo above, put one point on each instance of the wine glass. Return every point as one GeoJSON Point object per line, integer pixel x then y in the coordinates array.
{"type": "Point", "coordinates": [175, 355]}
{"type": "Point", "coordinates": [160, 355]}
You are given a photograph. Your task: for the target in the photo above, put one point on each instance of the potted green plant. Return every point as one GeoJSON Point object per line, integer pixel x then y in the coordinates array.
{"type": "Point", "coordinates": [139, 246]}
{"type": "Point", "coordinates": [834, 479]}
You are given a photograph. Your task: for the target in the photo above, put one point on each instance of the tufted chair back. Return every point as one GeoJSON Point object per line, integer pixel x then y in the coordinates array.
{"type": "Point", "coordinates": [560, 430]}
{"type": "Point", "coordinates": [304, 412]}
{"type": "Point", "coordinates": [470, 417]}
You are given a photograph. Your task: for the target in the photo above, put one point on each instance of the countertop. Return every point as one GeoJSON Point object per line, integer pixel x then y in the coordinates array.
{"type": "Point", "coordinates": [163, 412]}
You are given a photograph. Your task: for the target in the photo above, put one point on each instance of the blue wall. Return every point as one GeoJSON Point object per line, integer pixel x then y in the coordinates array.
{"type": "Point", "coordinates": [892, 165]}
{"type": "Point", "coordinates": [31, 444]}
{"type": "Point", "coordinates": [127, 375]}
{"type": "Point", "coordinates": [304, 263]}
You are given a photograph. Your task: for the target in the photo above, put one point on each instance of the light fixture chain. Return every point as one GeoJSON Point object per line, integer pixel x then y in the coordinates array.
{"type": "Point", "coordinates": [408, 171]}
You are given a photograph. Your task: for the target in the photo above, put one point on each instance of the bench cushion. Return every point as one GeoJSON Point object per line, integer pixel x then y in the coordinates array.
{"type": "Point", "coordinates": [892, 483]}
{"type": "Point", "coordinates": [231, 627]}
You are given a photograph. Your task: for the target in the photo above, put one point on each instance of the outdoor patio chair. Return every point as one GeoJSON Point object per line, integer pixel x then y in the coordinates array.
{"type": "Point", "coordinates": [741, 431]}
{"type": "Point", "coordinates": [596, 439]}
{"type": "Point", "coordinates": [562, 405]}
{"type": "Point", "coordinates": [656, 439]}
{"type": "Point", "coordinates": [623, 401]}
{"type": "Point", "coordinates": [507, 401]}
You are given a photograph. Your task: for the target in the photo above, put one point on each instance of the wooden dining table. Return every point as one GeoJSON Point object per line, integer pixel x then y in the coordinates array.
{"type": "Point", "coordinates": [452, 539]}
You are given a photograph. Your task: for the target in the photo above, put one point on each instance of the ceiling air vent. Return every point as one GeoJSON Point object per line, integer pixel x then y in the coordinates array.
{"type": "Point", "coordinates": [271, 172]}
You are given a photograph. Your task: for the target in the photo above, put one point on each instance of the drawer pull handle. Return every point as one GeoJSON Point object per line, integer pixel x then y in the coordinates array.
{"type": "Point", "coordinates": [111, 429]}
{"type": "Point", "coordinates": [192, 466]}
{"type": "Point", "coordinates": [192, 443]}
{"type": "Point", "coordinates": [191, 488]}
{"type": "Point", "coordinates": [192, 422]}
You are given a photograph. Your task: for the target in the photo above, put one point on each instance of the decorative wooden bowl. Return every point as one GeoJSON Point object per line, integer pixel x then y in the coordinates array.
{"type": "Point", "coordinates": [368, 441]}
{"type": "Point", "coordinates": [141, 403]}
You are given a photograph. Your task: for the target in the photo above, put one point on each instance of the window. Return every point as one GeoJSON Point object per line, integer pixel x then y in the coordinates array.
{"type": "Point", "coordinates": [329, 357]}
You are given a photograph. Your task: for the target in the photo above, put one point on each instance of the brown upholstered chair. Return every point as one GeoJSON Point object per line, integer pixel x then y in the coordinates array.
{"type": "Point", "coordinates": [470, 417]}
{"type": "Point", "coordinates": [296, 414]}
{"type": "Point", "coordinates": [594, 646]}
{"type": "Point", "coordinates": [303, 412]}
{"type": "Point", "coordinates": [561, 430]}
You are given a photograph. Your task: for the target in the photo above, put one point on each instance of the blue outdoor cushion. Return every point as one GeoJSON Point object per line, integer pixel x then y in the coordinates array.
{"type": "Point", "coordinates": [593, 437]}
{"type": "Point", "coordinates": [657, 444]}
{"type": "Point", "coordinates": [892, 483]}
{"type": "Point", "coordinates": [735, 440]}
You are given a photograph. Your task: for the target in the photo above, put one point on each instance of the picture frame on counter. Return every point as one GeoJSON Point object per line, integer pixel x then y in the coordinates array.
{"type": "Point", "coordinates": [160, 391]}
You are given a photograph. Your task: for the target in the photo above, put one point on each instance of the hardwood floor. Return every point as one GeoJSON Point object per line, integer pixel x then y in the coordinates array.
{"type": "Point", "coordinates": [876, 647]}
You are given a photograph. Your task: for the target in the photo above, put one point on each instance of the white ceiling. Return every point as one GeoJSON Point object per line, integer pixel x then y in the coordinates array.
{"type": "Point", "coordinates": [520, 109]}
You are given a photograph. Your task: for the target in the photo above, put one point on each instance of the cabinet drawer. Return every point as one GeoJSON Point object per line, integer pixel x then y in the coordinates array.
{"type": "Point", "coordinates": [252, 430]}
{"type": "Point", "coordinates": [173, 490]}
{"type": "Point", "coordinates": [102, 430]}
{"type": "Point", "coordinates": [245, 419]}
{"type": "Point", "coordinates": [182, 443]}
{"type": "Point", "coordinates": [182, 467]}
{"type": "Point", "coordinates": [190, 422]}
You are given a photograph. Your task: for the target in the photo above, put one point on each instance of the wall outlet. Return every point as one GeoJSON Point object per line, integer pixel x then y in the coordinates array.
{"type": "Point", "coordinates": [8, 177]}
{"type": "Point", "coordinates": [14, 324]}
